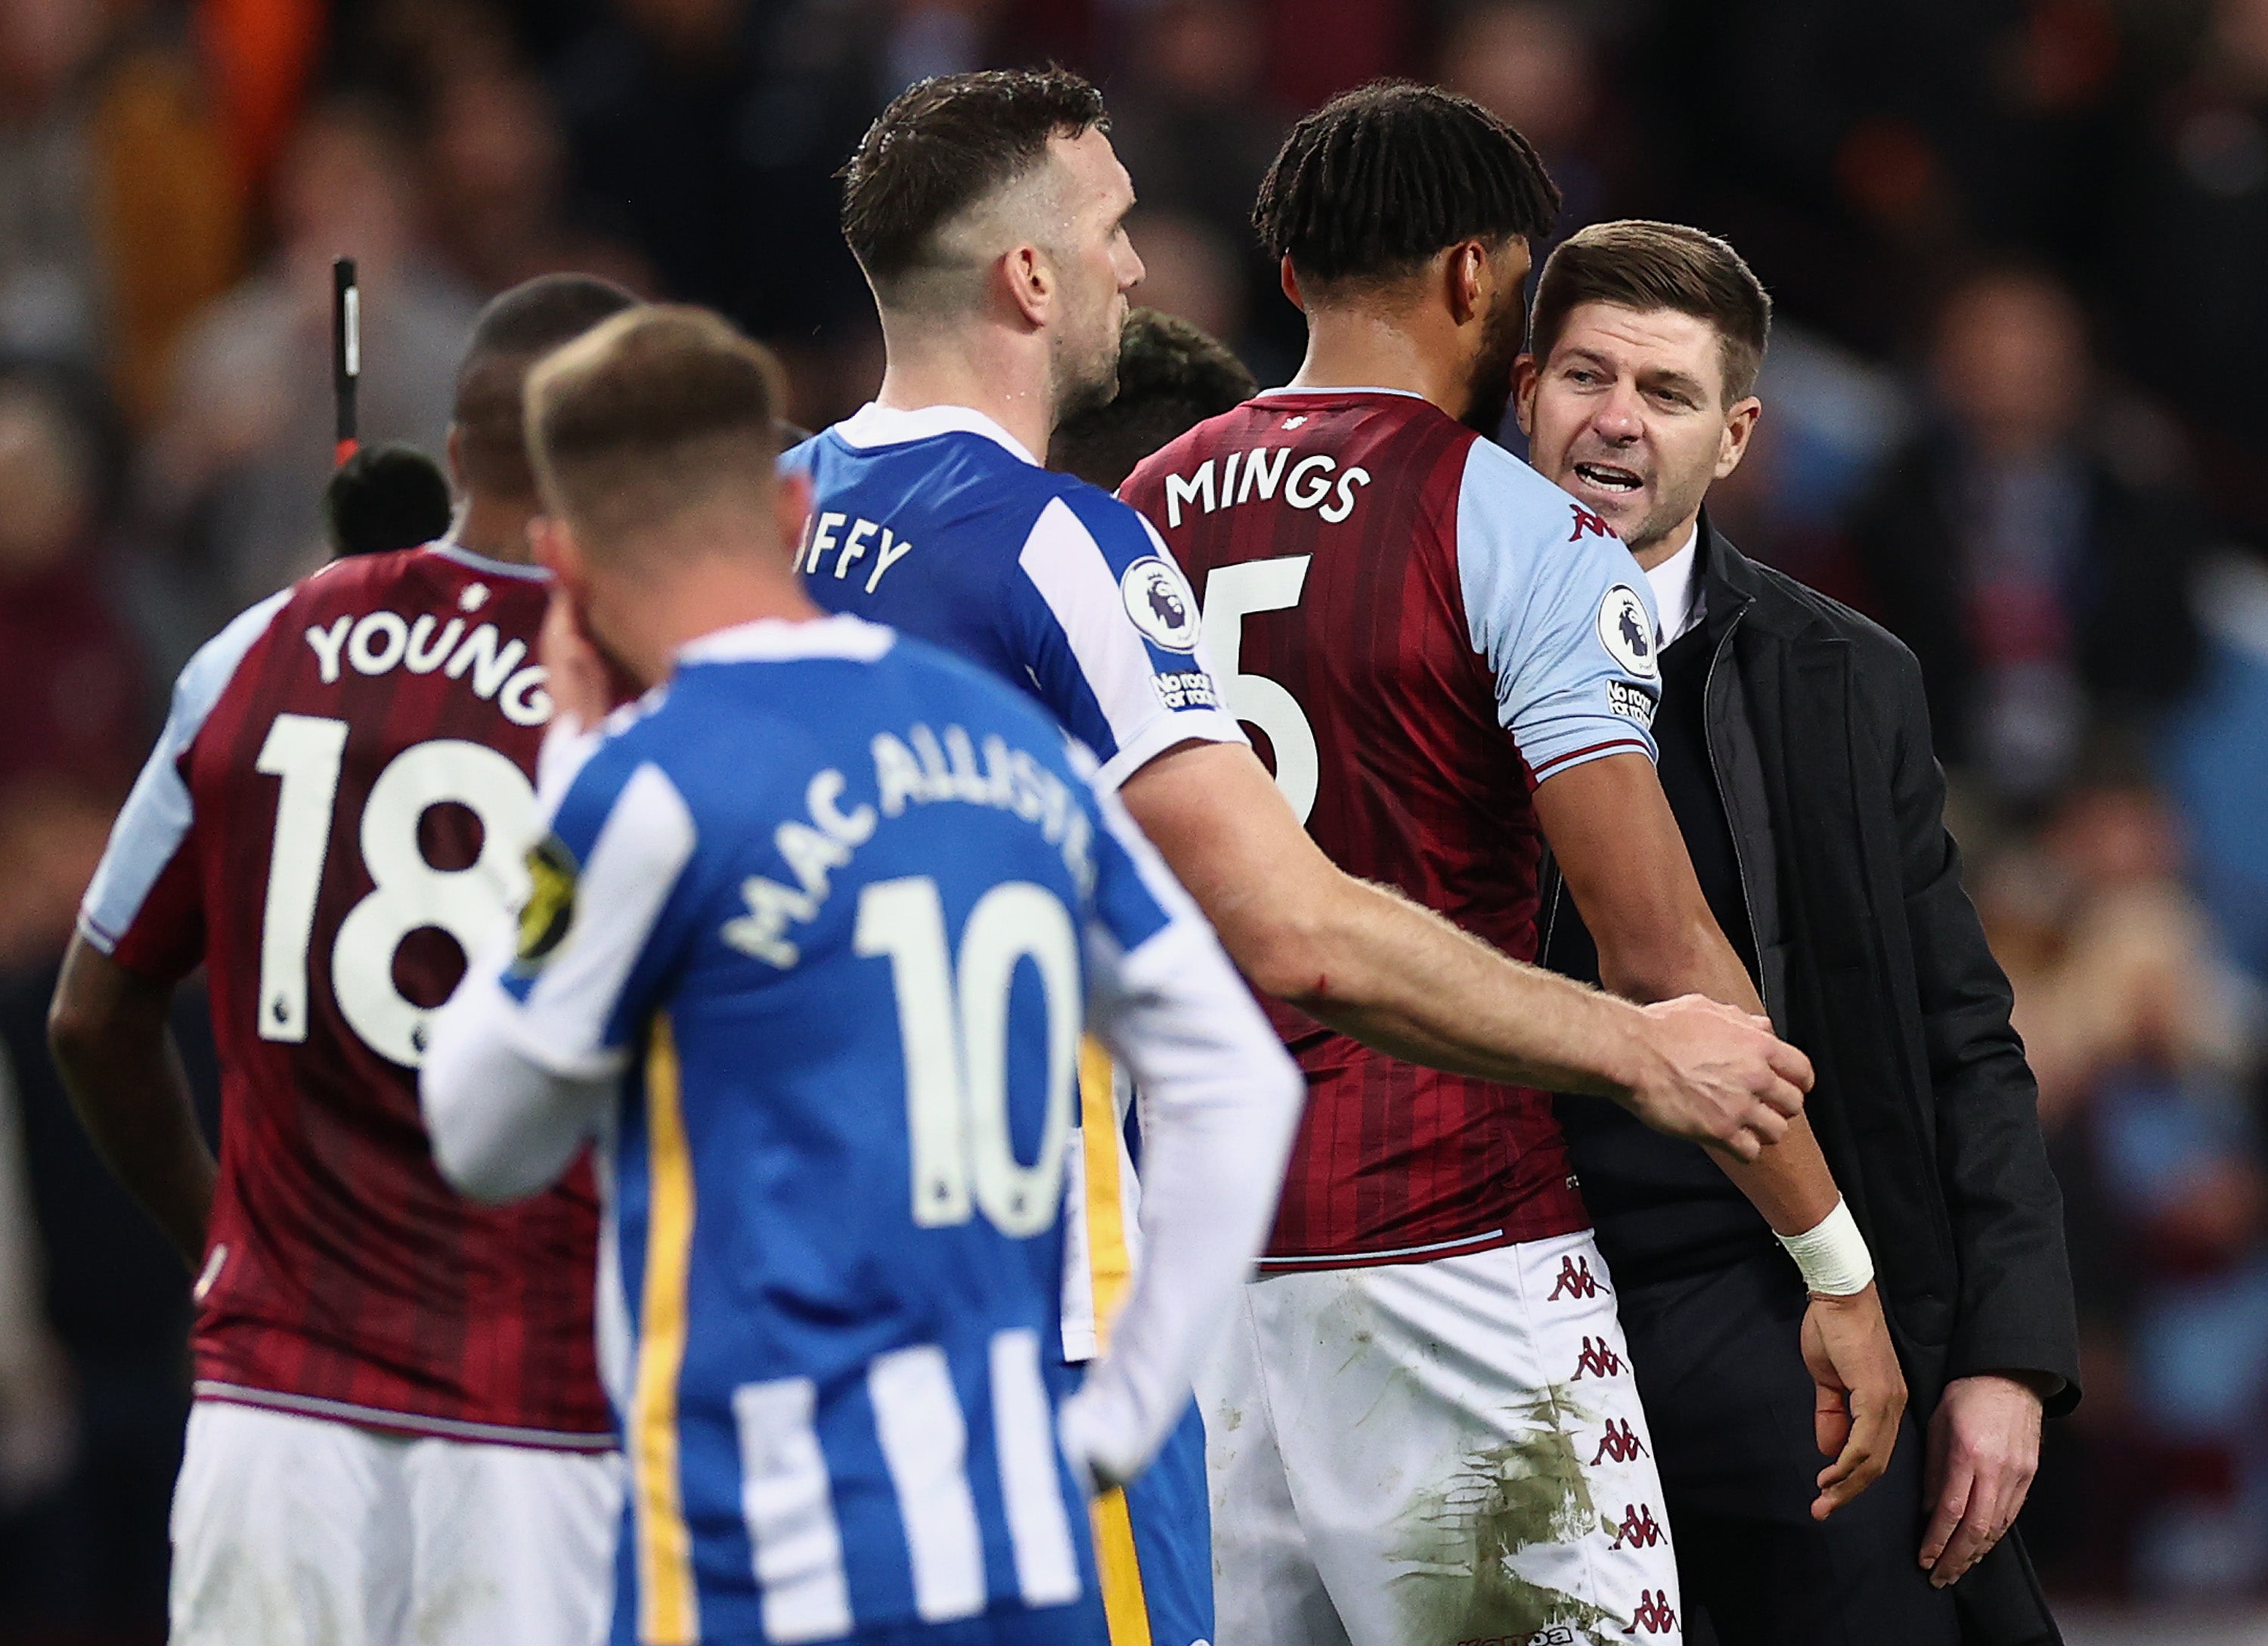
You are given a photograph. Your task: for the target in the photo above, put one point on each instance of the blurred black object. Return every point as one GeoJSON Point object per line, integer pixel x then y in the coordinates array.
{"type": "Point", "coordinates": [385, 498]}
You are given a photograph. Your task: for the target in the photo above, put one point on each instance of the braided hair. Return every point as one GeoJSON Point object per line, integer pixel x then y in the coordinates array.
{"type": "Point", "coordinates": [1373, 184]}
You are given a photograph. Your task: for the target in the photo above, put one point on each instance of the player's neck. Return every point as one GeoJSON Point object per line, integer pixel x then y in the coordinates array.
{"type": "Point", "coordinates": [974, 367]}
{"type": "Point", "coordinates": [495, 530]}
{"type": "Point", "coordinates": [1355, 347]}
{"type": "Point", "coordinates": [656, 618]}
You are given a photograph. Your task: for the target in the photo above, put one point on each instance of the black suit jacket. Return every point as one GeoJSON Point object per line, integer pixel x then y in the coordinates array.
{"type": "Point", "coordinates": [1875, 965]}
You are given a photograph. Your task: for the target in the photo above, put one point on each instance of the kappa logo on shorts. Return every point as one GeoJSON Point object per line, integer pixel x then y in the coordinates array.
{"type": "Point", "coordinates": [1620, 1443]}
{"type": "Point", "coordinates": [1577, 1281]}
{"type": "Point", "coordinates": [1598, 1359]}
{"type": "Point", "coordinates": [1550, 1634]}
{"type": "Point", "coordinates": [1639, 1529]}
{"type": "Point", "coordinates": [1158, 601]}
{"type": "Point", "coordinates": [1655, 1613]}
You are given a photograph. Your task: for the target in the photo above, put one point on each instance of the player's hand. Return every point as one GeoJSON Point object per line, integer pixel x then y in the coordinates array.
{"type": "Point", "coordinates": [1718, 1076]}
{"type": "Point", "coordinates": [1984, 1449]}
{"type": "Point", "coordinates": [576, 674]}
{"type": "Point", "coordinates": [1089, 1434]}
{"type": "Point", "coordinates": [1861, 1394]}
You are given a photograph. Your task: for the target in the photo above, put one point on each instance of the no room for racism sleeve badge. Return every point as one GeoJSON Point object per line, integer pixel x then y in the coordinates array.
{"type": "Point", "coordinates": [550, 910]}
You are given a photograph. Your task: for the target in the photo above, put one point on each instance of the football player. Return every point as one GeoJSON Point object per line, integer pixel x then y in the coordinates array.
{"type": "Point", "coordinates": [398, 1432]}
{"type": "Point", "coordinates": [1452, 664]}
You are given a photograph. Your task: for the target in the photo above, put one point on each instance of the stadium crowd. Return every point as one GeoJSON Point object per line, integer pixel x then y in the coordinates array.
{"type": "Point", "coordinates": [1980, 222]}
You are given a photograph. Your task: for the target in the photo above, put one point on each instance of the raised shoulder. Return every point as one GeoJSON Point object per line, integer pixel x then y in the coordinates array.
{"type": "Point", "coordinates": [1505, 497]}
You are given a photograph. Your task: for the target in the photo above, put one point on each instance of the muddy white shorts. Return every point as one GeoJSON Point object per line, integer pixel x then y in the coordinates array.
{"type": "Point", "coordinates": [1439, 1454]}
{"type": "Point", "coordinates": [292, 1531]}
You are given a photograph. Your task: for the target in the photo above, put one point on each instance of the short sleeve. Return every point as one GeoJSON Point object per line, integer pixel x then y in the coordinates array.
{"type": "Point", "coordinates": [1110, 630]}
{"type": "Point", "coordinates": [1562, 615]}
{"type": "Point", "coordinates": [145, 907]}
{"type": "Point", "coordinates": [590, 946]}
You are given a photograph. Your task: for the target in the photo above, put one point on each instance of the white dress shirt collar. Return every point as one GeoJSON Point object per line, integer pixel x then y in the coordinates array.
{"type": "Point", "coordinates": [1677, 596]}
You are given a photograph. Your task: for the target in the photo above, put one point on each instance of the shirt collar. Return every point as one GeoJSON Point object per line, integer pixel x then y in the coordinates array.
{"type": "Point", "coordinates": [450, 548]}
{"type": "Point", "coordinates": [1677, 593]}
{"type": "Point", "coordinates": [782, 640]}
{"type": "Point", "coordinates": [1334, 390]}
{"type": "Point", "coordinates": [875, 424]}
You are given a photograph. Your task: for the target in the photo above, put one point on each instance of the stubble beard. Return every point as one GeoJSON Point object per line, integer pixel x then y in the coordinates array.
{"type": "Point", "coordinates": [1087, 378]}
{"type": "Point", "coordinates": [1490, 383]}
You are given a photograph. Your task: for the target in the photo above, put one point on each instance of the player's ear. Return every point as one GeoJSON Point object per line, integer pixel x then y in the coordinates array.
{"type": "Point", "coordinates": [455, 450]}
{"type": "Point", "coordinates": [557, 553]}
{"type": "Point", "coordinates": [1290, 281]}
{"type": "Point", "coordinates": [1525, 377]}
{"type": "Point", "coordinates": [791, 508]}
{"type": "Point", "coordinates": [1467, 277]}
{"type": "Point", "coordinates": [1031, 283]}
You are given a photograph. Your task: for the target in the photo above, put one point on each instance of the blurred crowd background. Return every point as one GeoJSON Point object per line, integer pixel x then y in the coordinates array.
{"type": "Point", "coordinates": [2017, 407]}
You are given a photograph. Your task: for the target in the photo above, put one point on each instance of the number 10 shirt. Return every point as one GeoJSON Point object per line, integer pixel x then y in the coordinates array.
{"type": "Point", "coordinates": [334, 816]}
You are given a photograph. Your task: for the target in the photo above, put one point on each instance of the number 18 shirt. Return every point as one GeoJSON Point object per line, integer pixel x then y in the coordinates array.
{"type": "Point", "coordinates": [1423, 629]}
{"type": "Point", "coordinates": [334, 816]}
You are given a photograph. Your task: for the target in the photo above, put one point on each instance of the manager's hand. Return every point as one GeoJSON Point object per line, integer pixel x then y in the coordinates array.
{"type": "Point", "coordinates": [1718, 1076]}
{"type": "Point", "coordinates": [1861, 1394]}
{"type": "Point", "coordinates": [1984, 1449]}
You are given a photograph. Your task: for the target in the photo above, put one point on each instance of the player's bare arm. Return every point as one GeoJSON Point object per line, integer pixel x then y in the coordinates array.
{"type": "Point", "coordinates": [1619, 845]}
{"type": "Point", "coordinates": [1374, 965]}
{"type": "Point", "coordinates": [108, 1029]}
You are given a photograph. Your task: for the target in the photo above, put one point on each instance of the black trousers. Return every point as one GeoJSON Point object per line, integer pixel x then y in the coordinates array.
{"type": "Point", "coordinates": [1729, 1404]}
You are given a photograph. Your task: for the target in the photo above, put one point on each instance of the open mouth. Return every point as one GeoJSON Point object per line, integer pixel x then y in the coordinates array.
{"type": "Point", "coordinates": [1607, 477]}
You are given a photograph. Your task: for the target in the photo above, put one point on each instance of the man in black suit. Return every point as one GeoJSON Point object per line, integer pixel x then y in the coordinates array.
{"type": "Point", "coordinates": [1795, 751]}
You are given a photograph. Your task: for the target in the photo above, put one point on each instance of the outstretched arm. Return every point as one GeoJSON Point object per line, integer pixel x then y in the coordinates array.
{"type": "Point", "coordinates": [109, 1030]}
{"type": "Point", "coordinates": [1625, 862]}
{"type": "Point", "coordinates": [1220, 1104]}
{"type": "Point", "coordinates": [1374, 965]}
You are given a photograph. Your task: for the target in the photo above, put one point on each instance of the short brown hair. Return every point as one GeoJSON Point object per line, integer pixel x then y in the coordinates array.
{"type": "Point", "coordinates": [946, 144]}
{"type": "Point", "coordinates": [1647, 266]}
{"type": "Point", "coordinates": [651, 413]}
{"type": "Point", "coordinates": [516, 329]}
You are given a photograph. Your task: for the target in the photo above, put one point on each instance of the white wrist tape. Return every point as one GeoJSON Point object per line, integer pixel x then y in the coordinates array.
{"type": "Point", "coordinates": [1832, 1254]}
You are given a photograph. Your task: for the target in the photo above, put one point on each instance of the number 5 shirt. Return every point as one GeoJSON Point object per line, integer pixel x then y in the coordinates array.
{"type": "Point", "coordinates": [1423, 629]}
{"type": "Point", "coordinates": [334, 816]}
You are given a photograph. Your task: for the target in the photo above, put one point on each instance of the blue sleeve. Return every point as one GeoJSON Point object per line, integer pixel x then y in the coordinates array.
{"type": "Point", "coordinates": [1107, 628]}
{"type": "Point", "coordinates": [1563, 614]}
{"type": "Point", "coordinates": [594, 938]}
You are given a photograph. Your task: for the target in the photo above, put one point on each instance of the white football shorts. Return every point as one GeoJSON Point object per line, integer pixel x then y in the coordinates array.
{"type": "Point", "coordinates": [291, 1531]}
{"type": "Point", "coordinates": [1448, 1453]}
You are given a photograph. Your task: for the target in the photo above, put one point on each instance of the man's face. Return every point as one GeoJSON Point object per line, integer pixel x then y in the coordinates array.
{"type": "Point", "coordinates": [1503, 329]}
{"type": "Point", "coordinates": [1095, 265]}
{"type": "Point", "coordinates": [1629, 417]}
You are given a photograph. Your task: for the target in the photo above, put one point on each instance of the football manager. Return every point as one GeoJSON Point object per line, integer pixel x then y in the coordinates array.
{"type": "Point", "coordinates": [1795, 753]}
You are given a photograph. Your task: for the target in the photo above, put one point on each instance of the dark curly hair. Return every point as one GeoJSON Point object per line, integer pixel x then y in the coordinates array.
{"type": "Point", "coordinates": [1380, 179]}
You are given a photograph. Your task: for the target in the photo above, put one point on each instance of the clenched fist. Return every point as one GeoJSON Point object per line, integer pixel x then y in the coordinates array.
{"type": "Point", "coordinates": [1717, 1077]}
